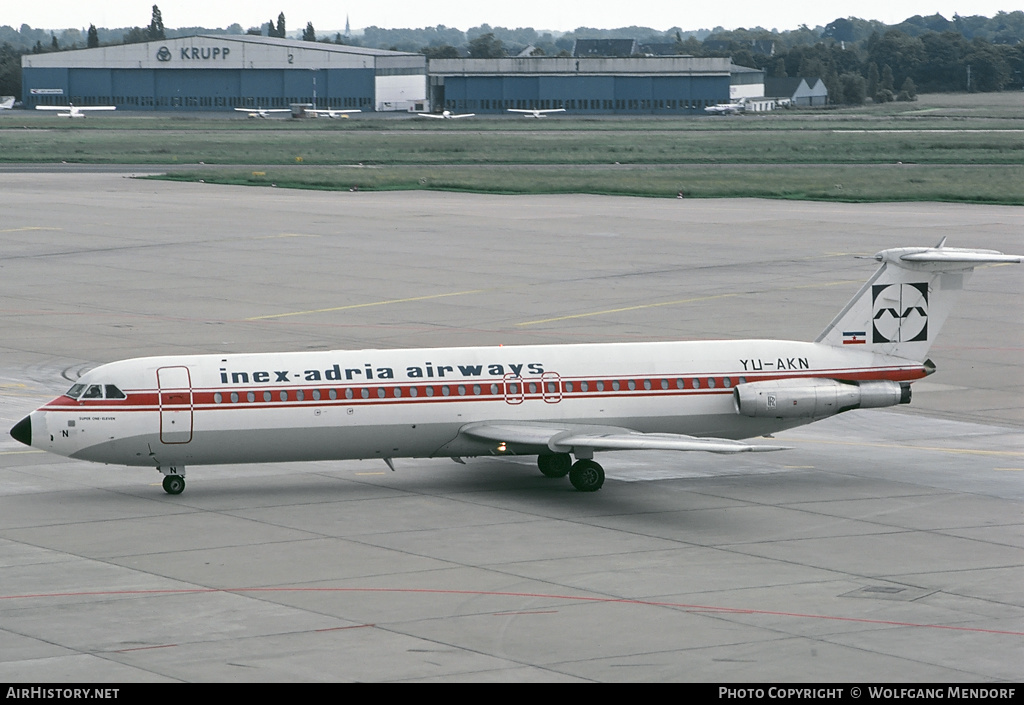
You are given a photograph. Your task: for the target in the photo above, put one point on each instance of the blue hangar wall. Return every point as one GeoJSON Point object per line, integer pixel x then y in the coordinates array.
{"type": "Point", "coordinates": [673, 85]}
{"type": "Point", "coordinates": [218, 72]}
{"type": "Point", "coordinates": [214, 89]}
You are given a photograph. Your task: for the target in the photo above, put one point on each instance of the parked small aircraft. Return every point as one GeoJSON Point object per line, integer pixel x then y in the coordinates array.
{"type": "Point", "coordinates": [6, 102]}
{"type": "Point", "coordinates": [446, 115]}
{"type": "Point", "coordinates": [551, 401]}
{"type": "Point", "coordinates": [74, 111]}
{"type": "Point", "coordinates": [328, 112]}
{"type": "Point", "coordinates": [726, 108]}
{"type": "Point", "coordinates": [262, 112]}
{"type": "Point", "coordinates": [536, 113]}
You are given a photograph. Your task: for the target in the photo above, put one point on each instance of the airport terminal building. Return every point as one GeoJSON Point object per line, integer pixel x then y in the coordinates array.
{"type": "Point", "coordinates": [221, 72]}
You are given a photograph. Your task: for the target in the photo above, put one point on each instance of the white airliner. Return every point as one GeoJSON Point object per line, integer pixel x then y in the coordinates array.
{"type": "Point", "coordinates": [536, 113]}
{"type": "Point", "coordinates": [74, 111]}
{"type": "Point", "coordinates": [555, 401]}
{"type": "Point", "coordinates": [262, 112]}
{"type": "Point", "coordinates": [446, 115]}
{"type": "Point", "coordinates": [327, 112]}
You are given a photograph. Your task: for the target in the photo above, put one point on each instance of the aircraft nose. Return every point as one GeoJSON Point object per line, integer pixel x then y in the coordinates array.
{"type": "Point", "coordinates": [22, 431]}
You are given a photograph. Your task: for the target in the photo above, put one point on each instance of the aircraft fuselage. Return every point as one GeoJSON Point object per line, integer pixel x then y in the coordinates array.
{"type": "Point", "coordinates": [213, 409]}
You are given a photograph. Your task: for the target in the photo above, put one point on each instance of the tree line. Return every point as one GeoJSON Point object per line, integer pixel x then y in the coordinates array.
{"type": "Point", "coordinates": [857, 59]}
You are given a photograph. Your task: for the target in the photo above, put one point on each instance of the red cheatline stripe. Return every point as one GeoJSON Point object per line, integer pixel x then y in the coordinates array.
{"type": "Point", "coordinates": [485, 593]}
{"type": "Point", "coordinates": [202, 399]}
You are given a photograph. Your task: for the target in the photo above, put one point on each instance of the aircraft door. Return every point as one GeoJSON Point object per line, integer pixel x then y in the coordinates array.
{"type": "Point", "coordinates": [515, 392]}
{"type": "Point", "coordinates": [175, 393]}
{"type": "Point", "coordinates": [551, 387]}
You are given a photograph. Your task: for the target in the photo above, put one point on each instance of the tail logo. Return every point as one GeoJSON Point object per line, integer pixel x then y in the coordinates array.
{"type": "Point", "coordinates": [900, 313]}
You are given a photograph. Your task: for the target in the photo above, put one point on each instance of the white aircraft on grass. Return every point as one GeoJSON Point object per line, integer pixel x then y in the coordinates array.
{"type": "Point", "coordinates": [327, 112]}
{"type": "Point", "coordinates": [262, 112]}
{"type": "Point", "coordinates": [554, 401]}
{"type": "Point", "coordinates": [74, 111]}
{"type": "Point", "coordinates": [536, 113]}
{"type": "Point", "coordinates": [446, 115]}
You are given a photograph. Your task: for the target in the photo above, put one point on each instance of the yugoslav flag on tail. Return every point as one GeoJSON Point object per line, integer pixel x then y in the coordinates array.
{"type": "Point", "coordinates": [902, 307]}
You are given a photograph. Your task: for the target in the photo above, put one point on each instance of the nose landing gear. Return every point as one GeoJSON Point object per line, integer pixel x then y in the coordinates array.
{"type": "Point", "coordinates": [174, 480]}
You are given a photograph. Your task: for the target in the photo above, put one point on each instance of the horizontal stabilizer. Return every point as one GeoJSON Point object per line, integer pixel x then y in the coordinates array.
{"type": "Point", "coordinates": [942, 258]}
{"type": "Point", "coordinates": [565, 438]}
{"type": "Point", "coordinates": [902, 307]}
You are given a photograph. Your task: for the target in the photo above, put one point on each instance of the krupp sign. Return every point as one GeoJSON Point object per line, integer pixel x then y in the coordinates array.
{"type": "Point", "coordinates": [194, 53]}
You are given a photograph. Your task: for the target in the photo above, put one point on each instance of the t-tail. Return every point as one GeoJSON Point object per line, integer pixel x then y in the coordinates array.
{"type": "Point", "coordinates": [902, 307]}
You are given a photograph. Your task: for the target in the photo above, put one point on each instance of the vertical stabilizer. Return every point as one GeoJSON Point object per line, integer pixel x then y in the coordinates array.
{"type": "Point", "coordinates": [902, 307]}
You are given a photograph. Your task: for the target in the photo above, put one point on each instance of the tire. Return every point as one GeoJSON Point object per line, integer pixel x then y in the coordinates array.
{"type": "Point", "coordinates": [557, 465]}
{"type": "Point", "coordinates": [174, 484]}
{"type": "Point", "coordinates": [586, 476]}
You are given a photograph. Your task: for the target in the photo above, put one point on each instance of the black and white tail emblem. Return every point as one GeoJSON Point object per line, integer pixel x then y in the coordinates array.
{"type": "Point", "coordinates": [901, 313]}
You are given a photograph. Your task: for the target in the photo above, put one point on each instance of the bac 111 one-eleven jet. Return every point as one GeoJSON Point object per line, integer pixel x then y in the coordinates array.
{"type": "Point", "coordinates": [557, 402]}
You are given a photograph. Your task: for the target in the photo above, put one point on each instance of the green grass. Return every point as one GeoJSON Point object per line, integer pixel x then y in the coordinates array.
{"type": "Point", "coordinates": [580, 146]}
{"type": "Point", "coordinates": [997, 185]}
{"type": "Point", "coordinates": [944, 148]}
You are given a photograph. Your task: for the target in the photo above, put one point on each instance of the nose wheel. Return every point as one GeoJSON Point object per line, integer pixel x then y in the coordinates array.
{"type": "Point", "coordinates": [174, 480]}
{"type": "Point", "coordinates": [174, 484]}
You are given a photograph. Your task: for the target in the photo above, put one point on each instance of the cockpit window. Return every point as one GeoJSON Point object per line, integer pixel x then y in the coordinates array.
{"type": "Point", "coordinates": [95, 391]}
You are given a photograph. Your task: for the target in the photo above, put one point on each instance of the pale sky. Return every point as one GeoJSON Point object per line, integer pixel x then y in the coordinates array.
{"type": "Point", "coordinates": [539, 14]}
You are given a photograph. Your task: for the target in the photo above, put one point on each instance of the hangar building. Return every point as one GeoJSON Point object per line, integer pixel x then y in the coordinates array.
{"type": "Point", "coordinates": [218, 72]}
{"type": "Point", "coordinates": [677, 85]}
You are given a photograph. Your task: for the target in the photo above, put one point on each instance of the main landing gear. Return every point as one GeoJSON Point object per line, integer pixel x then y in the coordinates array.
{"type": "Point", "coordinates": [585, 475]}
{"type": "Point", "coordinates": [174, 480]}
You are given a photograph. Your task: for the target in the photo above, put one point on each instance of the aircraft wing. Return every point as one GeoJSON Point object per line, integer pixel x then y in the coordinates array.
{"type": "Point", "coordinates": [51, 107]}
{"type": "Point", "coordinates": [96, 107]}
{"type": "Point", "coordinates": [430, 115]}
{"type": "Point", "coordinates": [564, 438]}
{"type": "Point", "coordinates": [319, 111]}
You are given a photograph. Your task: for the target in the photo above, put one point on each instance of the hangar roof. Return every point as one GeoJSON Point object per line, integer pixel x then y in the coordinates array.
{"type": "Point", "coordinates": [226, 51]}
{"type": "Point", "coordinates": [668, 65]}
